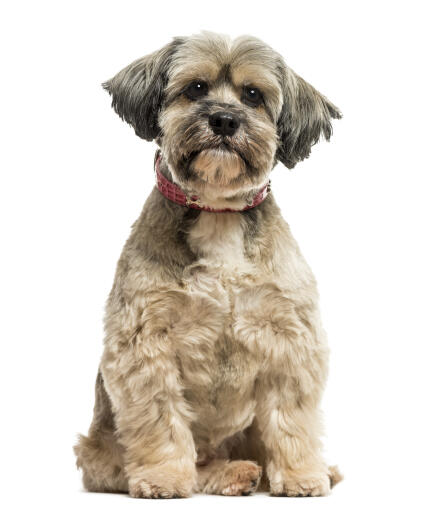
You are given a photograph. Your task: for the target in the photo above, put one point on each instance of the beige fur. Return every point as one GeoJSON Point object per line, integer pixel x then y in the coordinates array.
{"type": "Point", "coordinates": [215, 358]}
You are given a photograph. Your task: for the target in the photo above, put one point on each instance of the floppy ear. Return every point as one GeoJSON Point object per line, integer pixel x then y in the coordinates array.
{"type": "Point", "coordinates": [306, 114]}
{"type": "Point", "coordinates": [138, 90]}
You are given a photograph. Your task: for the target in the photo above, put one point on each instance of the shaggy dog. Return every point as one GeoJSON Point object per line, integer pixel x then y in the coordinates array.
{"type": "Point", "coordinates": [215, 358]}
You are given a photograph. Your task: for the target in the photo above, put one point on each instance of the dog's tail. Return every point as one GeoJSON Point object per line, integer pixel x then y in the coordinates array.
{"type": "Point", "coordinates": [335, 475]}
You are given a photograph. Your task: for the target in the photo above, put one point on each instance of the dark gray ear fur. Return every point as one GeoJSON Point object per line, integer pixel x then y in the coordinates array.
{"type": "Point", "coordinates": [306, 114]}
{"type": "Point", "coordinates": [138, 90]}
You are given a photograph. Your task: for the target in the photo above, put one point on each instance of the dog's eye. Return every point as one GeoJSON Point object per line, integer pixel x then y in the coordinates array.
{"type": "Point", "coordinates": [252, 96]}
{"type": "Point", "coordinates": [196, 90]}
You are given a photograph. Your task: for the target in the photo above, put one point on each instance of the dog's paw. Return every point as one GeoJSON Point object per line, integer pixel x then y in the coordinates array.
{"type": "Point", "coordinates": [302, 484]}
{"type": "Point", "coordinates": [146, 490]}
{"type": "Point", "coordinates": [165, 483]}
{"type": "Point", "coordinates": [240, 478]}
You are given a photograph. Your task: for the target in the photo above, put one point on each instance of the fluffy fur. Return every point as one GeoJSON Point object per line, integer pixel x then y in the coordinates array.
{"type": "Point", "coordinates": [215, 358]}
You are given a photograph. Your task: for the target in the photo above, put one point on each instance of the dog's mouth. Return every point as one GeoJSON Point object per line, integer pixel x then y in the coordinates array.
{"type": "Point", "coordinates": [219, 165]}
{"type": "Point", "coordinates": [224, 145]}
{"type": "Point", "coordinates": [223, 154]}
{"type": "Point", "coordinates": [227, 147]}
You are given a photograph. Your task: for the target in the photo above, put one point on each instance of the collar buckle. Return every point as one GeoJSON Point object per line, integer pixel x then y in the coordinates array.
{"type": "Point", "coordinates": [192, 201]}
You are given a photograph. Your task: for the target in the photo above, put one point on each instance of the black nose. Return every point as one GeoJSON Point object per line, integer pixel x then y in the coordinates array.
{"type": "Point", "coordinates": [224, 123]}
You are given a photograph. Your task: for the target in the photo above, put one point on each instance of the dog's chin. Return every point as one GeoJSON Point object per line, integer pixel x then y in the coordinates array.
{"type": "Point", "coordinates": [218, 167]}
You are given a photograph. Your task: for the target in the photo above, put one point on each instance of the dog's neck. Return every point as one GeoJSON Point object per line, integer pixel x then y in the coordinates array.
{"type": "Point", "coordinates": [207, 198]}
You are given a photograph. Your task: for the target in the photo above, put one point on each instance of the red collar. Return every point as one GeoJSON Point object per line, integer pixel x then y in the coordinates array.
{"type": "Point", "coordinates": [175, 194]}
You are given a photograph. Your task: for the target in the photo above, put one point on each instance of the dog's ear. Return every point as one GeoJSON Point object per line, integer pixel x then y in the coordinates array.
{"type": "Point", "coordinates": [138, 90]}
{"type": "Point", "coordinates": [305, 115]}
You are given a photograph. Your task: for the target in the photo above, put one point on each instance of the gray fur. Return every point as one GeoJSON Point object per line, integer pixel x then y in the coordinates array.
{"type": "Point", "coordinates": [305, 116]}
{"type": "Point", "coordinates": [157, 241]}
{"type": "Point", "coordinates": [138, 90]}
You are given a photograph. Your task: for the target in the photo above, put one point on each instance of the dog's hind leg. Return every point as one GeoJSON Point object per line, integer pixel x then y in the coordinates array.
{"type": "Point", "coordinates": [225, 477]}
{"type": "Point", "coordinates": [99, 455]}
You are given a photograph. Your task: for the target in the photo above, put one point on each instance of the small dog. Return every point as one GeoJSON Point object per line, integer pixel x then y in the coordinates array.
{"type": "Point", "coordinates": [215, 358]}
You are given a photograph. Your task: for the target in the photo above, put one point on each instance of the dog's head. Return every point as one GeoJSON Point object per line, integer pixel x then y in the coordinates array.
{"type": "Point", "coordinates": [222, 111]}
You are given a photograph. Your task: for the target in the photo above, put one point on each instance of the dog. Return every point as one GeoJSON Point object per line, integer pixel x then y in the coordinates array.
{"type": "Point", "coordinates": [214, 355]}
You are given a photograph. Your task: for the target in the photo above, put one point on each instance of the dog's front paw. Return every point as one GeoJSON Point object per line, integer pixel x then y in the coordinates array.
{"type": "Point", "coordinates": [161, 483]}
{"type": "Point", "coordinates": [301, 483]}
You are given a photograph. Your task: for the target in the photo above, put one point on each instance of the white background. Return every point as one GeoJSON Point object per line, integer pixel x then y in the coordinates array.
{"type": "Point", "coordinates": [367, 210]}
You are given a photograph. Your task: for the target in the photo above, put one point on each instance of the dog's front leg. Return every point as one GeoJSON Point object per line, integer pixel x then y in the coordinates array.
{"type": "Point", "coordinates": [290, 429]}
{"type": "Point", "coordinates": [285, 335]}
{"type": "Point", "coordinates": [152, 419]}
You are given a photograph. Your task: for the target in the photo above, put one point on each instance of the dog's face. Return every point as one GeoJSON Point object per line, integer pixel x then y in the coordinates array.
{"type": "Point", "coordinates": [222, 103]}
{"type": "Point", "coordinates": [222, 111]}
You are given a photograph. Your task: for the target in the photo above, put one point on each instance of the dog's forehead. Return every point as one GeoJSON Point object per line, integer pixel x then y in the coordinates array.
{"type": "Point", "coordinates": [213, 57]}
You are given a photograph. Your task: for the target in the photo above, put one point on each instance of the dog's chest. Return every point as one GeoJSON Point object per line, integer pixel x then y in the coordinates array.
{"type": "Point", "coordinates": [218, 372]}
{"type": "Point", "coordinates": [218, 239]}
{"type": "Point", "coordinates": [222, 269]}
